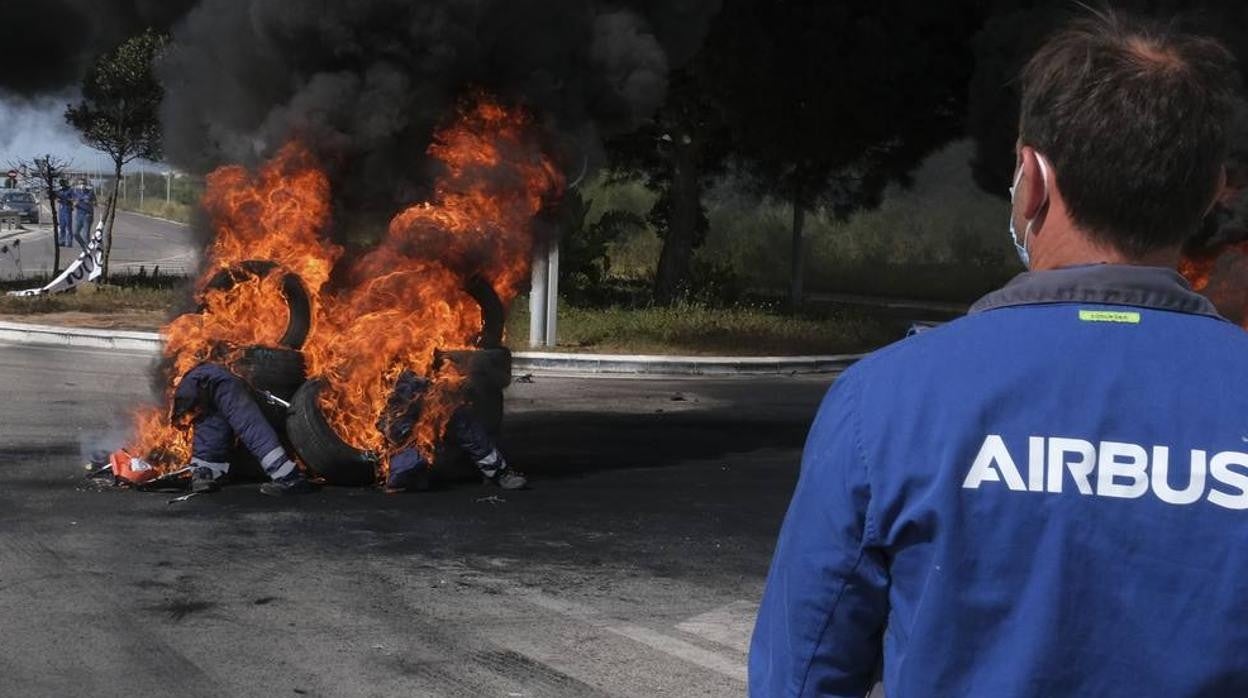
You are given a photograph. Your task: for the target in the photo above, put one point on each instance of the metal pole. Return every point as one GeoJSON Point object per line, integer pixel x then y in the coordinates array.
{"type": "Point", "coordinates": [168, 185]}
{"type": "Point", "coordinates": [552, 294]}
{"type": "Point", "coordinates": [142, 186]}
{"type": "Point", "coordinates": [537, 299]}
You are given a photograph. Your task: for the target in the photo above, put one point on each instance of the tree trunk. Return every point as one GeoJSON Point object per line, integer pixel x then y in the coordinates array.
{"type": "Point", "coordinates": [797, 271]}
{"type": "Point", "coordinates": [676, 258]}
{"type": "Point", "coordinates": [110, 215]}
{"type": "Point", "coordinates": [56, 233]}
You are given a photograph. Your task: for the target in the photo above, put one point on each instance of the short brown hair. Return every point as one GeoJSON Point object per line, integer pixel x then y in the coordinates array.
{"type": "Point", "coordinates": [1135, 117]}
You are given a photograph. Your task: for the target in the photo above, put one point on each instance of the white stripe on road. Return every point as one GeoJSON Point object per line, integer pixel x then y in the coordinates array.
{"type": "Point", "coordinates": [728, 625]}
{"type": "Point", "coordinates": [693, 654]}
{"type": "Point", "coordinates": [731, 666]}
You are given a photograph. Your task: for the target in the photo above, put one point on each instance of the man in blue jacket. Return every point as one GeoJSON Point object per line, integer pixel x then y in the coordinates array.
{"type": "Point", "coordinates": [84, 213]}
{"type": "Point", "coordinates": [64, 214]}
{"type": "Point", "coordinates": [1048, 497]}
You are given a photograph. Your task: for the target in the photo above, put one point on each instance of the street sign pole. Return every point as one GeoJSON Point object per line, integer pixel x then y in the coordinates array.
{"type": "Point", "coordinates": [537, 298]}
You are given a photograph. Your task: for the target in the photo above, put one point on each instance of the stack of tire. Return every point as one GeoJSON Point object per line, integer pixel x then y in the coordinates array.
{"type": "Point", "coordinates": [279, 370]}
{"type": "Point", "coordinates": [488, 371]}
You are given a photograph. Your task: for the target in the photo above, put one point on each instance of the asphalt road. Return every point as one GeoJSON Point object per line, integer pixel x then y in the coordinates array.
{"type": "Point", "coordinates": [633, 567]}
{"type": "Point", "coordinates": [138, 241]}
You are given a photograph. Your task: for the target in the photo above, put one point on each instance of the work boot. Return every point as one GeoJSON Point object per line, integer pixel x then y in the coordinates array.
{"type": "Point", "coordinates": [508, 479]}
{"type": "Point", "coordinates": [204, 481]}
{"type": "Point", "coordinates": [295, 483]}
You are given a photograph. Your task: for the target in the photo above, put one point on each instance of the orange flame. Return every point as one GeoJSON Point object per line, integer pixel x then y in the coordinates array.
{"type": "Point", "coordinates": [278, 214]}
{"type": "Point", "coordinates": [408, 299]}
{"type": "Point", "coordinates": [403, 300]}
{"type": "Point", "coordinates": [1221, 275]}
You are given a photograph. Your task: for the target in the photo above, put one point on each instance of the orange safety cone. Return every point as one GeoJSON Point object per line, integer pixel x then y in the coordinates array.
{"type": "Point", "coordinates": [134, 471]}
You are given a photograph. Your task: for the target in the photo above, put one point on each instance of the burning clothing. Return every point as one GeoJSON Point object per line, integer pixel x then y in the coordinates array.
{"type": "Point", "coordinates": [222, 412]}
{"type": "Point", "coordinates": [409, 467]}
{"type": "Point", "coordinates": [1040, 499]}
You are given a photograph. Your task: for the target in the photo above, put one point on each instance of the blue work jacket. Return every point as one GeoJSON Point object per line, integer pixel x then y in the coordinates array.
{"type": "Point", "coordinates": [64, 201]}
{"type": "Point", "coordinates": [1046, 498]}
{"type": "Point", "coordinates": [84, 200]}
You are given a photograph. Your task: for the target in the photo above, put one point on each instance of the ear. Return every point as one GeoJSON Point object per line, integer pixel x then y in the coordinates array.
{"type": "Point", "coordinates": [1032, 188]}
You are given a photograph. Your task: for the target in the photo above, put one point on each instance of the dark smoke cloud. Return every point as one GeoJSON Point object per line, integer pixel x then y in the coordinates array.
{"type": "Point", "coordinates": [1228, 221]}
{"type": "Point", "coordinates": [47, 45]}
{"type": "Point", "coordinates": [367, 81]}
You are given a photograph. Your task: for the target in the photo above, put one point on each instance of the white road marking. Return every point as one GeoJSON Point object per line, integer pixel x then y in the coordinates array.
{"type": "Point", "coordinates": [729, 625]}
{"type": "Point", "coordinates": [680, 649]}
{"type": "Point", "coordinates": [732, 667]}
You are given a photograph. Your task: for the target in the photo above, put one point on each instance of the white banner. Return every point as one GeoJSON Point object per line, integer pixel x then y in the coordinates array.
{"type": "Point", "coordinates": [88, 267]}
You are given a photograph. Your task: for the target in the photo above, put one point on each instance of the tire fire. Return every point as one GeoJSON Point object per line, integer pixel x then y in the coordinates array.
{"type": "Point", "coordinates": [396, 304]}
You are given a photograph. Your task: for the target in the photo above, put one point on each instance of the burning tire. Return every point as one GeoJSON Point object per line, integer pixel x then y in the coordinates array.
{"type": "Point", "coordinates": [320, 447]}
{"type": "Point", "coordinates": [327, 455]}
{"type": "Point", "coordinates": [296, 294]}
{"type": "Point", "coordinates": [488, 372]}
{"type": "Point", "coordinates": [493, 314]}
{"type": "Point", "coordinates": [278, 371]}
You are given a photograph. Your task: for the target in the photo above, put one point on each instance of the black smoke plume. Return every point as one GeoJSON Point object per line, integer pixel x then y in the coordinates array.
{"type": "Point", "coordinates": [366, 82]}
{"type": "Point", "coordinates": [47, 46]}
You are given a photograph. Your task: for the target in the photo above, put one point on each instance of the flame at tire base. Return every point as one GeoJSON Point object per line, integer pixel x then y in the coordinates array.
{"type": "Point", "coordinates": [401, 301]}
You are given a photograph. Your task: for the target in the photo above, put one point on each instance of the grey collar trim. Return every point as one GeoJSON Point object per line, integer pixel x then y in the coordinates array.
{"type": "Point", "coordinates": [1109, 284]}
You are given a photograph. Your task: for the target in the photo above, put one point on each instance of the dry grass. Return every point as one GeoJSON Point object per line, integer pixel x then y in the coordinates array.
{"type": "Point", "coordinates": [697, 329]}
{"type": "Point", "coordinates": [101, 299]}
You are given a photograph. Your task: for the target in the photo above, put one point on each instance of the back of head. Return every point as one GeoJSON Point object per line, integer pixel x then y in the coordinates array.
{"type": "Point", "coordinates": [1135, 117]}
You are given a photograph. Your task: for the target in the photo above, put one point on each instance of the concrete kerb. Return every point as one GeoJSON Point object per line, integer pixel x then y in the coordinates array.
{"type": "Point", "coordinates": [53, 335]}
{"type": "Point", "coordinates": [538, 363]}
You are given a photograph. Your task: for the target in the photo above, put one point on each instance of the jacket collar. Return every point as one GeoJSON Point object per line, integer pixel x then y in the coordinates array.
{"type": "Point", "coordinates": [1109, 284]}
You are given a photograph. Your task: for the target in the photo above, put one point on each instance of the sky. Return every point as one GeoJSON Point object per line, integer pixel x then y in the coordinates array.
{"type": "Point", "coordinates": [30, 127]}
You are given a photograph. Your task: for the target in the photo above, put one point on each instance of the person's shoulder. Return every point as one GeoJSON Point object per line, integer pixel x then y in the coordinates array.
{"type": "Point", "coordinates": [923, 345]}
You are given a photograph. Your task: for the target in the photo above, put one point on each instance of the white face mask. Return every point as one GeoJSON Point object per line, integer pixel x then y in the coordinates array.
{"type": "Point", "coordinates": [1021, 246]}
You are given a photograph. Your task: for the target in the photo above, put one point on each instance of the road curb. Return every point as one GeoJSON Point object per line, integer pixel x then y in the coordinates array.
{"type": "Point", "coordinates": [650, 365]}
{"type": "Point", "coordinates": [53, 335]}
{"type": "Point", "coordinates": [522, 362]}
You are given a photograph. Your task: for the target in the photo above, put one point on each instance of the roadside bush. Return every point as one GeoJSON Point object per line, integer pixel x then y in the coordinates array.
{"type": "Point", "coordinates": [943, 239]}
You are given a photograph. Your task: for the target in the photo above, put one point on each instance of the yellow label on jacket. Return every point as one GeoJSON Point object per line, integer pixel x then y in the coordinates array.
{"type": "Point", "coordinates": [1118, 316]}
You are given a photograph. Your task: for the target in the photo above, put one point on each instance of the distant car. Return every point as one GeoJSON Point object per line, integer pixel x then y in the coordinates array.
{"type": "Point", "coordinates": [23, 202]}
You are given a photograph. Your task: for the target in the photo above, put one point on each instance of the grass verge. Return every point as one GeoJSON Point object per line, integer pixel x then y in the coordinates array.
{"type": "Point", "coordinates": [129, 303]}
{"type": "Point", "coordinates": [159, 208]}
{"type": "Point", "coordinates": [696, 329]}
{"type": "Point", "coordinates": [685, 329]}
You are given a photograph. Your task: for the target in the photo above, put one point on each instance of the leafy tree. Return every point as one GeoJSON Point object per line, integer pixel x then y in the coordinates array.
{"type": "Point", "coordinates": [48, 170]}
{"type": "Point", "coordinates": [677, 154]}
{"type": "Point", "coordinates": [119, 112]}
{"type": "Point", "coordinates": [1014, 33]}
{"type": "Point", "coordinates": [830, 101]}
{"type": "Point", "coordinates": [584, 262]}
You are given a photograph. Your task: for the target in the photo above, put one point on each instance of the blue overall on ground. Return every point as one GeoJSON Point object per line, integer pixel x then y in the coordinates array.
{"type": "Point", "coordinates": [402, 412]}
{"type": "Point", "coordinates": [1048, 497]}
{"type": "Point", "coordinates": [225, 413]}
